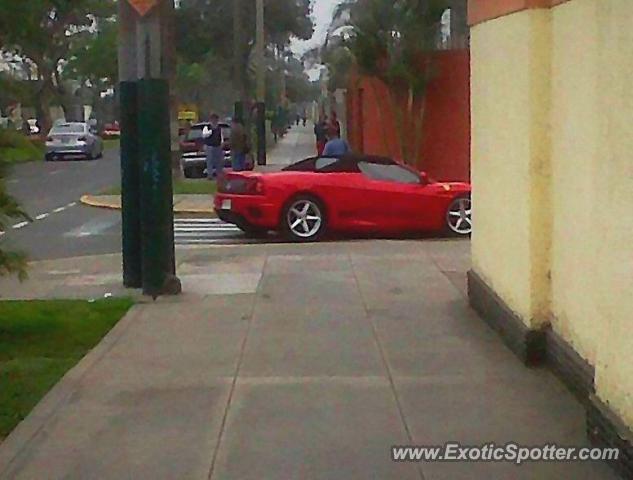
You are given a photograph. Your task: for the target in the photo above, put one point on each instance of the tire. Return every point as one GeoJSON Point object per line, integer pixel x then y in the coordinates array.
{"type": "Point", "coordinates": [193, 172]}
{"type": "Point", "coordinates": [458, 218]}
{"type": "Point", "coordinates": [253, 232]}
{"type": "Point", "coordinates": [303, 219]}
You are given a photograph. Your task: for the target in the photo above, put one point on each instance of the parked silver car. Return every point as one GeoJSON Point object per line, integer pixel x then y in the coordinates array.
{"type": "Point", "coordinates": [73, 140]}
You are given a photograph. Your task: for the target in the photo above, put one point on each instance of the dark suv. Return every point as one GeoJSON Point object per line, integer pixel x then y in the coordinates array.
{"type": "Point", "coordinates": [193, 160]}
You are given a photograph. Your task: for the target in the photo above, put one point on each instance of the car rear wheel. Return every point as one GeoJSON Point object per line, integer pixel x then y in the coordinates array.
{"type": "Point", "coordinates": [459, 216]}
{"type": "Point", "coordinates": [193, 172]}
{"type": "Point", "coordinates": [304, 219]}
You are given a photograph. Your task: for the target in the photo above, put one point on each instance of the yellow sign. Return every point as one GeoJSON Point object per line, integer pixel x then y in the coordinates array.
{"type": "Point", "coordinates": [143, 7]}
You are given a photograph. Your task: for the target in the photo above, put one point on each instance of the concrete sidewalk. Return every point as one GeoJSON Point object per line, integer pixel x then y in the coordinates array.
{"type": "Point", "coordinates": [283, 362]}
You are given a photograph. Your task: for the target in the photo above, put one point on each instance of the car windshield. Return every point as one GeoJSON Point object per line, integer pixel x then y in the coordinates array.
{"type": "Point", "coordinates": [388, 172]}
{"type": "Point", "coordinates": [68, 128]}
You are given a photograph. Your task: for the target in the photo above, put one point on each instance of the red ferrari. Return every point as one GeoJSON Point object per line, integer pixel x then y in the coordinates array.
{"type": "Point", "coordinates": [354, 194]}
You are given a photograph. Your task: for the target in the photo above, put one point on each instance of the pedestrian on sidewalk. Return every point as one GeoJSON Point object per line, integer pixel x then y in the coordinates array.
{"type": "Point", "coordinates": [334, 124]}
{"type": "Point", "coordinates": [336, 146]}
{"type": "Point", "coordinates": [240, 145]}
{"type": "Point", "coordinates": [320, 131]}
{"type": "Point", "coordinates": [213, 148]}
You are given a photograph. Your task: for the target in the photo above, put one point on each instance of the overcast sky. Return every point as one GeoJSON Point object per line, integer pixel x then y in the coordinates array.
{"type": "Point", "coordinates": [322, 11]}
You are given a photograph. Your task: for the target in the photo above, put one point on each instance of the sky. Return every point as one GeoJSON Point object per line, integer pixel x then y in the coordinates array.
{"type": "Point", "coordinates": [322, 11]}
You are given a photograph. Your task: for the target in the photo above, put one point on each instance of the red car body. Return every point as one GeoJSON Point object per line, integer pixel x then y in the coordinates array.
{"type": "Point", "coordinates": [352, 201]}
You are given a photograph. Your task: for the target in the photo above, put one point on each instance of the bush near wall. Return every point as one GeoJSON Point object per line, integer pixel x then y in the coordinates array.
{"type": "Point", "coordinates": [15, 147]}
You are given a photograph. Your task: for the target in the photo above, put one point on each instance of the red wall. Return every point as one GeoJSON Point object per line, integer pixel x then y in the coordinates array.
{"type": "Point", "coordinates": [445, 143]}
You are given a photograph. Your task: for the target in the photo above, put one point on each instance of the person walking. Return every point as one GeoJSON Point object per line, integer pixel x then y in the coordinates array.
{"type": "Point", "coordinates": [336, 146]}
{"type": "Point", "coordinates": [240, 145]}
{"type": "Point", "coordinates": [320, 132]}
{"type": "Point", "coordinates": [213, 148]}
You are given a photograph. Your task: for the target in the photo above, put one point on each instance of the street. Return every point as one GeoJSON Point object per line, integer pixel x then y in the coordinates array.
{"type": "Point", "coordinates": [63, 228]}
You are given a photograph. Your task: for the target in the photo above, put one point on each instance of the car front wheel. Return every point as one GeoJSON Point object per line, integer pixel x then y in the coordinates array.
{"type": "Point", "coordinates": [304, 219]}
{"type": "Point", "coordinates": [459, 216]}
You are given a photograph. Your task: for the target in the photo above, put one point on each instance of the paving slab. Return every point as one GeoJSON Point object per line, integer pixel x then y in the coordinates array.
{"type": "Point", "coordinates": [311, 431]}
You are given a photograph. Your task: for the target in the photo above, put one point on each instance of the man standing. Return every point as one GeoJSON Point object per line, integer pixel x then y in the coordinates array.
{"type": "Point", "coordinates": [320, 131]}
{"type": "Point", "coordinates": [336, 146]}
{"type": "Point", "coordinates": [213, 148]}
{"type": "Point", "coordinates": [240, 145]}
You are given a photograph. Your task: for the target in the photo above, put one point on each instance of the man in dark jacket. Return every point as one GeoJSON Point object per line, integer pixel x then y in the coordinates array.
{"type": "Point", "coordinates": [320, 131]}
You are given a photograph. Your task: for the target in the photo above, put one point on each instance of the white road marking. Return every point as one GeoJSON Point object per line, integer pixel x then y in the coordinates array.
{"type": "Point", "coordinates": [91, 228]}
{"type": "Point", "coordinates": [17, 226]}
{"type": "Point", "coordinates": [42, 216]}
{"type": "Point", "coordinates": [72, 204]}
{"type": "Point", "coordinates": [58, 210]}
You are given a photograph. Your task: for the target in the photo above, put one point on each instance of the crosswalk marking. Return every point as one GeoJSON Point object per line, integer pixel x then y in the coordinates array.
{"type": "Point", "coordinates": [203, 231]}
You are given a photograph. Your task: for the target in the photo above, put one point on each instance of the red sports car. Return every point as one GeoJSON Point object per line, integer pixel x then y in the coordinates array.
{"type": "Point", "coordinates": [359, 194]}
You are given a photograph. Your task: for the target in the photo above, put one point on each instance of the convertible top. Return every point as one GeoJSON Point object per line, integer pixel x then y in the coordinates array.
{"type": "Point", "coordinates": [347, 162]}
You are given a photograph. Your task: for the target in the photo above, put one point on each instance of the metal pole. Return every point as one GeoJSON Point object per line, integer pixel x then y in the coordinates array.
{"type": "Point", "coordinates": [261, 86]}
{"type": "Point", "coordinates": [237, 60]}
{"type": "Point", "coordinates": [157, 218]}
{"type": "Point", "coordinates": [130, 166]}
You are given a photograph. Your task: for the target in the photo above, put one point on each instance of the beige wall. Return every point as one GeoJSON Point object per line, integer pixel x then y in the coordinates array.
{"type": "Point", "coordinates": [510, 72]}
{"type": "Point", "coordinates": [553, 135]}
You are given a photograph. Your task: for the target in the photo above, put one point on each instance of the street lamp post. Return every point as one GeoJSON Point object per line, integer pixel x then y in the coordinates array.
{"type": "Point", "coordinates": [261, 85]}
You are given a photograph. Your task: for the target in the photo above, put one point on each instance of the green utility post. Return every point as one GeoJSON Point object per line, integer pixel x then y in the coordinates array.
{"type": "Point", "coordinates": [147, 174]}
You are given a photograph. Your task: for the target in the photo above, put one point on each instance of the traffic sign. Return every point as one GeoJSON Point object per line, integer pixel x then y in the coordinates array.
{"type": "Point", "coordinates": [143, 7]}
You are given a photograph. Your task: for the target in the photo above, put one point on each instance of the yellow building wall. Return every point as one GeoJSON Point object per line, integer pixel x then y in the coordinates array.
{"type": "Point", "coordinates": [614, 208]}
{"type": "Point", "coordinates": [575, 143]}
{"type": "Point", "coordinates": [552, 173]}
{"type": "Point", "coordinates": [509, 148]}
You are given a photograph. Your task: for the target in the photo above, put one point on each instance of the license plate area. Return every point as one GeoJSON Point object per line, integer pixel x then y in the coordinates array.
{"type": "Point", "coordinates": [226, 205]}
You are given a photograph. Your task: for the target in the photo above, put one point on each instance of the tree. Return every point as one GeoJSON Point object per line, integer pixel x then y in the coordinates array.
{"type": "Point", "coordinates": [42, 32]}
{"type": "Point", "coordinates": [391, 40]}
{"type": "Point", "coordinates": [206, 26]}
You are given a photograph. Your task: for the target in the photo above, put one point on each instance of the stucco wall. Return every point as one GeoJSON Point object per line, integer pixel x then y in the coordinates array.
{"type": "Point", "coordinates": [510, 73]}
{"type": "Point", "coordinates": [575, 163]}
{"type": "Point", "coordinates": [613, 329]}
{"type": "Point", "coordinates": [445, 136]}
{"type": "Point", "coordinates": [559, 152]}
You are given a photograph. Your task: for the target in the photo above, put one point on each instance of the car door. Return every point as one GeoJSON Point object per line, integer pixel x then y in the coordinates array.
{"type": "Point", "coordinates": [400, 198]}
{"type": "Point", "coordinates": [342, 186]}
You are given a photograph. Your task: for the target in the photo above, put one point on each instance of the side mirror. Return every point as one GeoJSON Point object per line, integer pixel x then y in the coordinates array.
{"type": "Point", "coordinates": [424, 178]}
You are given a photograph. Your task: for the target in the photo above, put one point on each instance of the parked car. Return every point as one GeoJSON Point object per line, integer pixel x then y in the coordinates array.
{"type": "Point", "coordinates": [73, 140]}
{"type": "Point", "coordinates": [112, 130]}
{"type": "Point", "coordinates": [354, 193]}
{"type": "Point", "coordinates": [193, 160]}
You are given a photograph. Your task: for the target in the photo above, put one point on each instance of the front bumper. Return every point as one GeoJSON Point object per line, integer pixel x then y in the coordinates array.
{"type": "Point", "coordinates": [255, 210]}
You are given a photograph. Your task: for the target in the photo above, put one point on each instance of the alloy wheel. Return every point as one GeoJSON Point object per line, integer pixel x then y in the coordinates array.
{"type": "Point", "coordinates": [304, 218]}
{"type": "Point", "coordinates": [459, 216]}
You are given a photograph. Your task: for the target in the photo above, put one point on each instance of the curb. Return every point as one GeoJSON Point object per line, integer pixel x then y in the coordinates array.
{"type": "Point", "coordinates": [91, 201]}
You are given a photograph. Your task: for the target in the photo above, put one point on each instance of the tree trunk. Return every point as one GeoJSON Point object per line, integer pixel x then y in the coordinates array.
{"type": "Point", "coordinates": [398, 115]}
{"type": "Point", "coordinates": [381, 113]}
{"type": "Point", "coordinates": [43, 100]}
{"type": "Point", "coordinates": [418, 130]}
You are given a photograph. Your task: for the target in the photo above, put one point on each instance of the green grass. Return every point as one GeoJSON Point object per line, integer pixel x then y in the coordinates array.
{"type": "Point", "coordinates": [17, 148]}
{"type": "Point", "coordinates": [109, 143]}
{"type": "Point", "coordinates": [181, 187]}
{"type": "Point", "coordinates": [40, 341]}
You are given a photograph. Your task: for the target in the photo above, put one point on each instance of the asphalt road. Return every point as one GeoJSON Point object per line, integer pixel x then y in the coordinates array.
{"type": "Point", "coordinates": [62, 227]}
